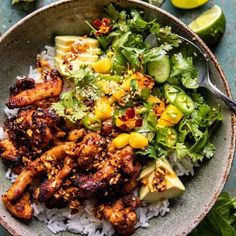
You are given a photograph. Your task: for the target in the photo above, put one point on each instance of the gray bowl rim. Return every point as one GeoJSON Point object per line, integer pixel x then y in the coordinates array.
{"type": "Point", "coordinates": [212, 58]}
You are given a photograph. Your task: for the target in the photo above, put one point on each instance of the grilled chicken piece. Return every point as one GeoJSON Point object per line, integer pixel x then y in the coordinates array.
{"type": "Point", "coordinates": [108, 129]}
{"type": "Point", "coordinates": [87, 185]}
{"type": "Point", "coordinates": [9, 153]}
{"type": "Point", "coordinates": [20, 208]}
{"type": "Point", "coordinates": [107, 174]}
{"type": "Point", "coordinates": [21, 85]}
{"type": "Point", "coordinates": [32, 129]}
{"type": "Point", "coordinates": [124, 156]}
{"type": "Point", "coordinates": [132, 183]}
{"type": "Point", "coordinates": [48, 89]}
{"type": "Point", "coordinates": [45, 103]}
{"type": "Point", "coordinates": [76, 134]}
{"type": "Point", "coordinates": [52, 184]}
{"type": "Point", "coordinates": [37, 167]}
{"type": "Point", "coordinates": [121, 214]}
{"type": "Point", "coordinates": [89, 150]}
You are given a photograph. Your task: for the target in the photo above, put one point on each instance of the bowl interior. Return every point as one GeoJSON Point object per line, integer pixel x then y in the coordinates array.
{"type": "Point", "coordinates": [18, 50]}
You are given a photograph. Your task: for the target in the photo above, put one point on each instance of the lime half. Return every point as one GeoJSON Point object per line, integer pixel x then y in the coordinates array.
{"type": "Point", "coordinates": [188, 4]}
{"type": "Point", "coordinates": [210, 26]}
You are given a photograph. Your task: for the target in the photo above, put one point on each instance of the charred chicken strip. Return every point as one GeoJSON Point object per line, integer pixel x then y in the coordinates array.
{"type": "Point", "coordinates": [108, 173]}
{"type": "Point", "coordinates": [32, 129]}
{"type": "Point", "coordinates": [87, 185]}
{"type": "Point", "coordinates": [9, 154]}
{"type": "Point", "coordinates": [51, 185]}
{"type": "Point", "coordinates": [89, 149]}
{"type": "Point", "coordinates": [37, 167]}
{"type": "Point", "coordinates": [48, 89]}
{"type": "Point", "coordinates": [20, 208]}
{"type": "Point", "coordinates": [121, 214]}
{"type": "Point", "coordinates": [21, 85]}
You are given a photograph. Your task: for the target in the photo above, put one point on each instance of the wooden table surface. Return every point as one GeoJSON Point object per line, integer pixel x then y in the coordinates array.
{"type": "Point", "coordinates": [225, 51]}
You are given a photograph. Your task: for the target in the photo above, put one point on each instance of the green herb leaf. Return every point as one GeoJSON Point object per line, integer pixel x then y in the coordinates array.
{"type": "Point", "coordinates": [70, 107]}
{"type": "Point", "coordinates": [183, 69]}
{"type": "Point", "coordinates": [221, 219]}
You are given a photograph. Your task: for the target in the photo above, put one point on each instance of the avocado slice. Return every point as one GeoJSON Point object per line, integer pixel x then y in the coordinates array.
{"type": "Point", "coordinates": [155, 189]}
{"type": "Point", "coordinates": [65, 69]}
{"type": "Point", "coordinates": [68, 40]}
{"type": "Point", "coordinates": [62, 50]}
{"type": "Point", "coordinates": [147, 170]}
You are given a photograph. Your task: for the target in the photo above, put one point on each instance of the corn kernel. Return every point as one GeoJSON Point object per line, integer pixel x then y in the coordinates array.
{"type": "Point", "coordinates": [121, 140]}
{"type": "Point", "coordinates": [138, 140]}
{"type": "Point", "coordinates": [103, 65]}
{"type": "Point", "coordinates": [103, 110]}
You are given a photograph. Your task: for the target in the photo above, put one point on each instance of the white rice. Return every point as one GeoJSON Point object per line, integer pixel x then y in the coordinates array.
{"type": "Point", "coordinates": [47, 55]}
{"type": "Point", "coordinates": [11, 176]}
{"type": "Point", "coordinates": [11, 112]}
{"type": "Point", "coordinates": [3, 134]}
{"type": "Point", "coordinates": [84, 222]}
{"type": "Point", "coordinates": [183, 166]}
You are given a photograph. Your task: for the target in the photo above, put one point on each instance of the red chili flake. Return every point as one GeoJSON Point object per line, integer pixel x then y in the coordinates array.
{"type": "Point", "coordinates": [97, 23]}
{"type": "Point", "coordinates": [139, 122]}
{"type": "Point", "coordinates": [123, 118]}
{"type": "Point", "coordinates": [130, 113]}
{"type": "Point", "coordinates": [106, 21]}
{"type": "Point", "coordinates": [123, 127]}
{"type": "Point", "coordinates": [102, 26]}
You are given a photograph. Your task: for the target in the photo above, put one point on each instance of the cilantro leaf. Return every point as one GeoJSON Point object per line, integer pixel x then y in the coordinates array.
{"type": "Point", "coordinates": [137, 23]}
{"type": "Point", "coordinates": [86, 83]}
{"type": "Point", "coordinates": [165, 35]}
{"type": "Point", "coordinates": [70, 107]}
{"type": "Point", "coordinates": [184, 70]}
{"type": "Point", "coordinates": [133, 56]}
{"type": "Point", "coordinates": [150, 151]}
{"type": "Point", "coordinates": [156, 53]}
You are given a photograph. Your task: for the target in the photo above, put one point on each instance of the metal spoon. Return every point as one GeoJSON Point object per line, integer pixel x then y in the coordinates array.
{"type": "Point", "coordinates": [203, 70]}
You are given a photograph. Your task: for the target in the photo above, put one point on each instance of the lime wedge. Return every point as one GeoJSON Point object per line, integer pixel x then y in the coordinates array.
{"type": "Point", "coordinates": [210, 25]}
{"type": "Point", "coordinates": [188, 4]}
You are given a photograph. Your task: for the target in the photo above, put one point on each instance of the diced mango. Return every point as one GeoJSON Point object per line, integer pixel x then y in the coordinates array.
{"type": "Point", "coordinates": [119, 94]}
{"type": "Point", "coordinates": [138, 140]}
{"type": "Point", "coordinates": [172, 115]}
{"type": "Point", "coordinates": [164, 123]}
{"type": "Point", "coordinates": [102, 66]}
{"type": "Point", "coordinates": [153, 100]}
{"type": "Point", "coordinates": [103, 110]}
{"type": "Point", "coordinates": [118, 122]}
{"type": "Point", "coordinates": [104, 85]}
{"type": "Point", "coordinates": [126, 83]}
{"type": "Point", "coordinates": [121, 140]}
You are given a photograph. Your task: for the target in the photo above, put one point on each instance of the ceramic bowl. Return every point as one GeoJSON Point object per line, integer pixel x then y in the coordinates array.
{"type": "Point", "coordinates": [18, 49]}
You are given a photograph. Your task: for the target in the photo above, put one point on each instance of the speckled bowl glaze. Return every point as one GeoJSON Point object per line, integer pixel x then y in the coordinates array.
{"type": "Point", "coordinates": [18, 49]}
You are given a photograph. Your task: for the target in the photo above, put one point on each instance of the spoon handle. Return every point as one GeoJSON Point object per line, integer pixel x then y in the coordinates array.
{"type": "Point", "coordinates": [230, 102]}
